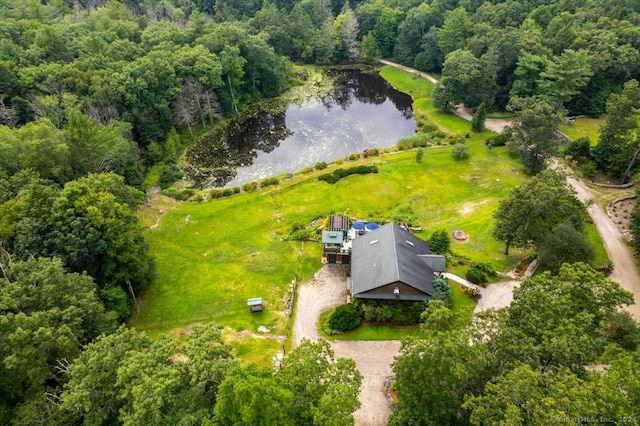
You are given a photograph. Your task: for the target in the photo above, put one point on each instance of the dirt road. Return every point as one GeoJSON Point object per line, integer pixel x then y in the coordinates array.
{"type": "Point", "coordinates": [496, 125]}
{"type": "Point", "coordinates": [625, 271]}
{"type": "Point", "coordinates": [373, 359]}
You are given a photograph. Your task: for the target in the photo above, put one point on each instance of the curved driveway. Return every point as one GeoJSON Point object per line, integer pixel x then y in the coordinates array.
{"type": "Point", "coordinates": [625, 271]}
{"type": "Point", "coordinates": [373, 358]}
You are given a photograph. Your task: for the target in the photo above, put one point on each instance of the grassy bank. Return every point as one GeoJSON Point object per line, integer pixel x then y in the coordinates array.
{"type": "Point", "coordinates": [583, 127]}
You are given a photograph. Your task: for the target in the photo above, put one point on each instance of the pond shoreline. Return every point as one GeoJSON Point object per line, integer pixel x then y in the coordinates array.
{"type": "Point", "coordinates": [339, 111]}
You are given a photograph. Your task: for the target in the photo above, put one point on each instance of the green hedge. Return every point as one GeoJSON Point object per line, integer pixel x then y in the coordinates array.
{"type": "Point", "coordinates": [374, 311]}
{"type": "Point", "coordinates": [340, 173]}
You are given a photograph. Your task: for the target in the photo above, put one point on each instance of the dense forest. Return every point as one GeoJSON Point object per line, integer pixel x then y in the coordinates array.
{"type": "Point", "coordinates": [99, 98]}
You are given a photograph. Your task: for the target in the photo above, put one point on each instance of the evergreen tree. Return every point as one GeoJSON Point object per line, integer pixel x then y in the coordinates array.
{"type": "Point", "coordinates": [479, 118]}
{"type": "Point", "coordinates": [439, 242]}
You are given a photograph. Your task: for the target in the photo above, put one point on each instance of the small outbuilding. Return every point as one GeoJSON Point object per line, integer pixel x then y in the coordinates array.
{"type": "Point", "coordinates": [255, 304]}
{"type": "Point", "coordinates": [335, 245]}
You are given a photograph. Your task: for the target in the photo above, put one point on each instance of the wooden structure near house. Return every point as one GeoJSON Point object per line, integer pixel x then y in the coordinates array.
{"type": "Point", "coordinates": [255, 305]}
{"type": "Point", "coordinates": [335, 247]}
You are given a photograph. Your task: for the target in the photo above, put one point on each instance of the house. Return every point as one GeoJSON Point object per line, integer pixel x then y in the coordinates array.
{"type": "Point", "coordinates": [336, 247]}
{"type": "Point", "coordinates": [392, 264]}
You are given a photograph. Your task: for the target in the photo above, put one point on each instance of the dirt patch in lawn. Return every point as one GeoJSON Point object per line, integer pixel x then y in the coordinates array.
{"type": "Point", "coordinates": [469, 207]}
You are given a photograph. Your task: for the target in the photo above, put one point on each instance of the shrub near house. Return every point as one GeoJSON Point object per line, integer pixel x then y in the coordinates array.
{"type": "Point", "coordinates": [476, 276]}
{"type": "Point", "coordinates": [345, 317]}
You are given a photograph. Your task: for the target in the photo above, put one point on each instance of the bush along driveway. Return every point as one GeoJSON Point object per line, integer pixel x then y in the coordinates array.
{"type": "Point", "coordinates": [373, 358]}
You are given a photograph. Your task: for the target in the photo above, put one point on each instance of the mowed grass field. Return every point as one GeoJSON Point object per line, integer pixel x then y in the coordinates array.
{"type": "Point", "coordinates": [583, 127]}
{"type": "Point", "coordinates": [212, 256]}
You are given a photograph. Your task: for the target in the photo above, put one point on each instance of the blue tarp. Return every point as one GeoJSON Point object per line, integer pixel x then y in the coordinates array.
{"type": "Point", "coordinates": [358, 226]}
{"type": "Point", "coordinates": [371, 226]}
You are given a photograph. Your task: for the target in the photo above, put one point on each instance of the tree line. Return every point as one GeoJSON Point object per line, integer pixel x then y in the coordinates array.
{"type": "Point", "coordinates": [156, 65]}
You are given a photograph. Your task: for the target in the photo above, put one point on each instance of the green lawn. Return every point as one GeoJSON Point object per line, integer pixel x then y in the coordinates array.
{"type": "Point", "coordinates": [212, 256]}
{"type": "Point", "coordinates": [461, 305]}
{"type": "Point", "coordinates": [368, 331]}
{"type": "Point", "coordinates": [420, 90]}
{"type": "Point", "coordinates": [595, 240]}
{"type": "Point", "coordinates": [589, 127]}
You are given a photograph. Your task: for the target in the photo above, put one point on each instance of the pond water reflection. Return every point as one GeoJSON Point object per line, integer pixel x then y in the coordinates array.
{"type": "Point", "coordinates": [361, 111]}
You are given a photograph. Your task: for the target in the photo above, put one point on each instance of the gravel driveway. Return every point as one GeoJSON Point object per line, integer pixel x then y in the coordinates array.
{"type": "Point", "coordinates": [625, 271]}
{"type": "Point", "coordinates": [496, 296]}
{"type": "Point", "coordinates": [373, 358]}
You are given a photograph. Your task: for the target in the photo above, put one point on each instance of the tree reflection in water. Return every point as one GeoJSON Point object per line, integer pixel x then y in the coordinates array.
{"type": "Point", "coordinates": [213, 161]}
{"type": "Point", "coordinates": [236, 144]}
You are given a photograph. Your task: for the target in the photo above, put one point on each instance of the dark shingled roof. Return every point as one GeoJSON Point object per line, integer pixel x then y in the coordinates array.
{"type": "Point", "coordinates": [387, 255]}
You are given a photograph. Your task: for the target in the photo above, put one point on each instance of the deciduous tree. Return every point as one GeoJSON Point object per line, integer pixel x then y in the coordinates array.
{"type": "Point", "coordinates": [527, 396]}
{"type": "Point", "coordinates": [533, 209]}
{"type": "Point", "coordinates": [386, 28]}
{"type": "Point", "coordinates": [560, 320]}
{"type": "Point", "coordinates": [564, 244]}
{"type": "Point", "coordinates": [533, 135]}
{"type": "Point", "coordinates": [39, 146]}
{"type": "Point", "coordinates": [325, 390]}
{"type": "Point", "coordinates": [616, 151]}
{"type": "Point", "coordinates": [46, 316]}
{"type": "Point", "coordinates": [450, 365]}
{"type": "Point", "coordinates": [369, 51]}
{"type": "Point", "coordinates": [345, 28]}
{"type": "Point", "coordinates": [253, 396]}
{"type": "Point", "coordinates": [130, 379]}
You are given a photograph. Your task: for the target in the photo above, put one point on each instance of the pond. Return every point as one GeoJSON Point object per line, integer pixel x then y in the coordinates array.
{"type": "Point", "coordinates": [358, 110]}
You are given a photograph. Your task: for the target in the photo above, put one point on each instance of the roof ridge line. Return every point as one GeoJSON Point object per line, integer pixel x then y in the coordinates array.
{"type": "Point", "coordinates": [395, 252]}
